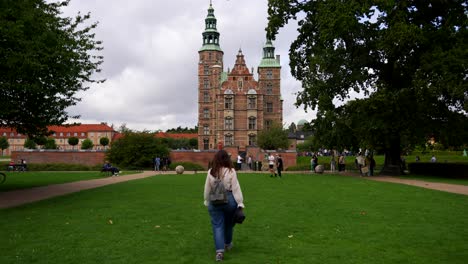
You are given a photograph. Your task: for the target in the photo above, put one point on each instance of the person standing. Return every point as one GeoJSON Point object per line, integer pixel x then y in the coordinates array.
{"type": "Point", "coordinates": [279, 165]}
{"type": "Point", "coordinates": [314, 162]}
{"type": "Point", "coordinates": [239, 162]}
{"type": "Point", "coordinates": [222, 216]}
{"type": "Point", "coordinates": [332, 163]}
{"type": "Point", "coordinates": [157, 164]}
{"type": "Point", "coordinates": [371, 165]}
{"type": "Point", "coordinates": [249, 162]}
{"type": "Point", "coordinates": [341, 162]}
{"type": "Point", "coordinates": [271, 165]}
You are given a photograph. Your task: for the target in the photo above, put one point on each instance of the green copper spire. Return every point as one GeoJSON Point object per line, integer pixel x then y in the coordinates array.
{"type": "Point", "coordinates": [269, 59]}
{"type": "Point", "coordinates": [211, 34]}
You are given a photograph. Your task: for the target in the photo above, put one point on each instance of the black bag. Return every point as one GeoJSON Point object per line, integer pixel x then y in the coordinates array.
{"type": "Point", "coordinates": [218, 194]}
{"type": "Point", "coordinates": [239, 215]}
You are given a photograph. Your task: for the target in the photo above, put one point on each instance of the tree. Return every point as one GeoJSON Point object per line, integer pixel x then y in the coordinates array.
{"type": "Point", "coordinates": [87, 144]}
{"type": "Point", "coordinates": [50, 144]}
{"type": "Point", "coordinates": [193, 143]}
{"type": "Point", "coordinates": [73, 141]}
{"type": "Point", "coordinates": [136, 150]}
{"type": "Point", "coordinates": [407, 57]}
{"type": "Point", "coordinates": [29, 144]}
{"type": "Point", "coordinates": [104, 141]}
{"type": "Point", "coordinates": [274, 138]}
{"type": "Point", "coordinates": [4, 144]}
{"type": "Point", "coordinates": [45, 60]}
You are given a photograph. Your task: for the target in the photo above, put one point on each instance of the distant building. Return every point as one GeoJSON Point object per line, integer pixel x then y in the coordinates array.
{"type": "Point", "coordinates": [232, 106]}
{"type": "Point", "coordinates": [61, 134]}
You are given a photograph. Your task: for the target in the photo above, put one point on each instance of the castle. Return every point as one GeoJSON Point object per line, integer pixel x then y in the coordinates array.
{"type": "Point", "coordinates": [232, 106]}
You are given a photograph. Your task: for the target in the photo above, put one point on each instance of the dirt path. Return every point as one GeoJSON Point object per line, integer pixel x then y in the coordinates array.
{"type": "Point", "coordinates": [445, 187]}
{"type": "Point", "coordinates": [23, 196]}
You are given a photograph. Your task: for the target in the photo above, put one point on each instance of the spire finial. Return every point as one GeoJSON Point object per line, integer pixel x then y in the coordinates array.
{"type": "Point", "coordinates": [210, 3]}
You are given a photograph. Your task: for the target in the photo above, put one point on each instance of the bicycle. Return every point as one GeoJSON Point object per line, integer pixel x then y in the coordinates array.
{"type": "Point", "coordinates": [2, 177]}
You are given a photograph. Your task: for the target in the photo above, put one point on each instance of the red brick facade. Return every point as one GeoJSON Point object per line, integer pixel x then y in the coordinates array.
{"type": "Point", "coordinates": [89, 158]}
{"type": "Point", "coordinates": [232, 106]}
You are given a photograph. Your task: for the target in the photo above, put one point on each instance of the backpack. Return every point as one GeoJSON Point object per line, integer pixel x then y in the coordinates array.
{"type": "Point", "coordinates": [218, 194]}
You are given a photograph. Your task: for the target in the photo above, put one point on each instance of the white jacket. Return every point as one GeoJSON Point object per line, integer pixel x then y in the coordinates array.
{"type": "Point", "coordinates": [230, 183]}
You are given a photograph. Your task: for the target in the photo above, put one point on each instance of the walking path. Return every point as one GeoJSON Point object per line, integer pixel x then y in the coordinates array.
{"type": "Point", "coordinates": [24, 196]}
{"type": "Point", "coordinates": [445, 187]}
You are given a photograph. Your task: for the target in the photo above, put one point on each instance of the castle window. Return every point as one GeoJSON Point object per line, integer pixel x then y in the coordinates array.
{"type": "Point", "coordinates": [206, 83]}
{"type": "Point", "coordinates": [268, 124]}
{"type": "Point", "coordinates": [228, 123]}
{"type": "Point", "coordinates": [206, 97]}
{"type": "Point", "coordinates": [228, 140]}
{"type": "Point", "coordinates": [269, 107]}
{"type": "Point", "coordinates": [252, 104]}
{"type": "Point", "coordinates": [206, 130]}
{"type": "Point", "coordinates": [209, 54]}
{"type": "Point", "coordinates": [228, 102]}
{"type": "Point", "coordinates": [206, 69]}
{"type": "Point", "coordinates": [252, 123]}
{"type": "Point", "coordinates": [252, 140]}
{"type": "Point", "coordinates": [269, 74]}
{"type": "Point", "coordinates": [240, 84]}
{"type": "Point", "coordinates": [206, 143]}
{"type": "Point", "coordinates": [206, 113]}
{"type": "Point", "coordinates": [269, 88]}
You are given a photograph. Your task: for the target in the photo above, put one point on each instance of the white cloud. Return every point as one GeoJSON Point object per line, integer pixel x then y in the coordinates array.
{"type": "Point", "coordinates": [150, 58]}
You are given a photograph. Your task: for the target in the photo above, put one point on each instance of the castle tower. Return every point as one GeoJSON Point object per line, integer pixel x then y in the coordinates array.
{"type": "Point", "coordinates": [269, 80]}
{"type": "Point", "coordinates": [232, 106]}
{"type": "Point", "coordinates": [210, 67]}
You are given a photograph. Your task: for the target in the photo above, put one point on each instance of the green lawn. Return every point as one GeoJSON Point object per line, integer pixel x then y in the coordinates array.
{"type": "Point", "coordinates": [297, 219]}
{"type": "Point", "coordinates": [23, 180]}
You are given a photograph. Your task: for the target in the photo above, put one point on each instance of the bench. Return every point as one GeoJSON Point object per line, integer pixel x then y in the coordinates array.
{"type": "Point", "coordinates": [107, 171]}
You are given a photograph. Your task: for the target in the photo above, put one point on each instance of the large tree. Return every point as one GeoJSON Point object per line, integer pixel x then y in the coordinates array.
{"type": "Point", "coordinates": [273, 138]}
{"type": "Point", "coordinates": [408, 57]}
{"type": "Point", "coordinates": [45, 59]}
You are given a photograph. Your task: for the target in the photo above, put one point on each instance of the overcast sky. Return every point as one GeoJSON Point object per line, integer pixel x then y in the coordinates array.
{"type": "Point", "coordinates": [151, 54]}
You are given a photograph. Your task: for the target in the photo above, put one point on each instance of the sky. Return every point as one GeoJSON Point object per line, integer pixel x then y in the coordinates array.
{"type": "Point", "coordinates": [151, 55]}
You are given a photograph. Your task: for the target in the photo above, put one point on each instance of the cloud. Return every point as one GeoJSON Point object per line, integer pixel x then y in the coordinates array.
{"type": "Point", "coordinates": [151, 54]}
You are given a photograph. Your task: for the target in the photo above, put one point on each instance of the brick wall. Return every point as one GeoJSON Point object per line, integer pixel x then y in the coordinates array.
{"type": "Point", "coordinates": [204, 157]}
{"type": "Point", "coordinates": [89, 158]}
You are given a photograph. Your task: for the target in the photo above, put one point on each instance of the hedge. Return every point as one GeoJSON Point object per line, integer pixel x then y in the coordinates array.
{"type": "Point", "coordinates": [446, 170]}
{"type": "Point", "coordinates": [188, 166]}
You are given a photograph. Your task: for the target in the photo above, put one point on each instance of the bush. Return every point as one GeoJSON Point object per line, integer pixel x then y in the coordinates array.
{"type": "Point", "coordinates": [445, 170]}
{"type": "Point", "coordinates": [187, 166]}
{"type": "Point", "coordinates": [62, 167]}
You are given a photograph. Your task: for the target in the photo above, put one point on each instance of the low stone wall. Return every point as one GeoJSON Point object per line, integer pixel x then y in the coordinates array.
{"type": "Point", "coordinates": [89, 158]}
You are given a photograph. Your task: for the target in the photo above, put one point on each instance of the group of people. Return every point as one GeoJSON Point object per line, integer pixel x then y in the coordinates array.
{"type": "Point", "coordinates": [365, 164]}
{"type": "Point", "coordinates": [161, 164]}
{"type": "Point", "coordinates": [19, 166]}
{"type": "Point", "coordinates": [275, 162]}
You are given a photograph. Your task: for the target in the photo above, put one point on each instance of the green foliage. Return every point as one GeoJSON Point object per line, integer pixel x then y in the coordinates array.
{"type": "Point", "coordinates": [179, 129]}
{"type": "Point", "coordinates": [409, 60]}
{"type": "Point", "coordinates": [188, 166]}
{"type": "Point", "coordinates": [274, 138]}
{"type": "Point", "coordinates": [4, 144]}
{"type": "Point", "coordinates": [73, 141]}
{"type": "Point", "coordinates": [136, 150]}
{"type": "Point", "coordinates": [29, 144]}
{"type": "Point", "coordinates": [50, 144]}
{"type": "Point", "coordinates": [87, 144]}
{"type": "Point", "coordinates": [104, 141]}
{"type": "Point", "coordinates": [45, 60]}
{"type": "Point", "coordinates": [193, 143]}
{"type": "Point", "coordinates": [61, 167]}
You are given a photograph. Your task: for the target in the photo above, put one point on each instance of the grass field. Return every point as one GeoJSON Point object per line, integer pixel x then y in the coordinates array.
{"type": "Point", "coordinates": [297, 219]}
{"type": "Point", "coordinates": [23, 180]}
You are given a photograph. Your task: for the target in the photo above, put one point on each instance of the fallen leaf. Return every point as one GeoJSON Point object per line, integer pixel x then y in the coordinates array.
{"type": "Point", "coordinates": [110, 222]}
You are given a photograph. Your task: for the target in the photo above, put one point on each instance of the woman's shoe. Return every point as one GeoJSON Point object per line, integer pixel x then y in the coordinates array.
{"type": "Point", "coordinates": [219, 256]}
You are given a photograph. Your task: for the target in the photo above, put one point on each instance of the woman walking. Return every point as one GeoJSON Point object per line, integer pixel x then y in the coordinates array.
{"type": "Point", "coordinates": [222, 216]}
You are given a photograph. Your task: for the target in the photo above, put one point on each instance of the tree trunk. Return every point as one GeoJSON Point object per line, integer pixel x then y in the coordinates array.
{"type": "Point", "coordinates": [392, 165]}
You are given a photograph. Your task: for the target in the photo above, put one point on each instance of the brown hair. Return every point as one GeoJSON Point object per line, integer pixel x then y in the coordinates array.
{"type": "Point", "coordinates": [220, 160]}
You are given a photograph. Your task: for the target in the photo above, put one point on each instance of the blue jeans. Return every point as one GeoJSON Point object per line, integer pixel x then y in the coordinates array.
{"type": "Point", "coordinates": [222, 221]}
